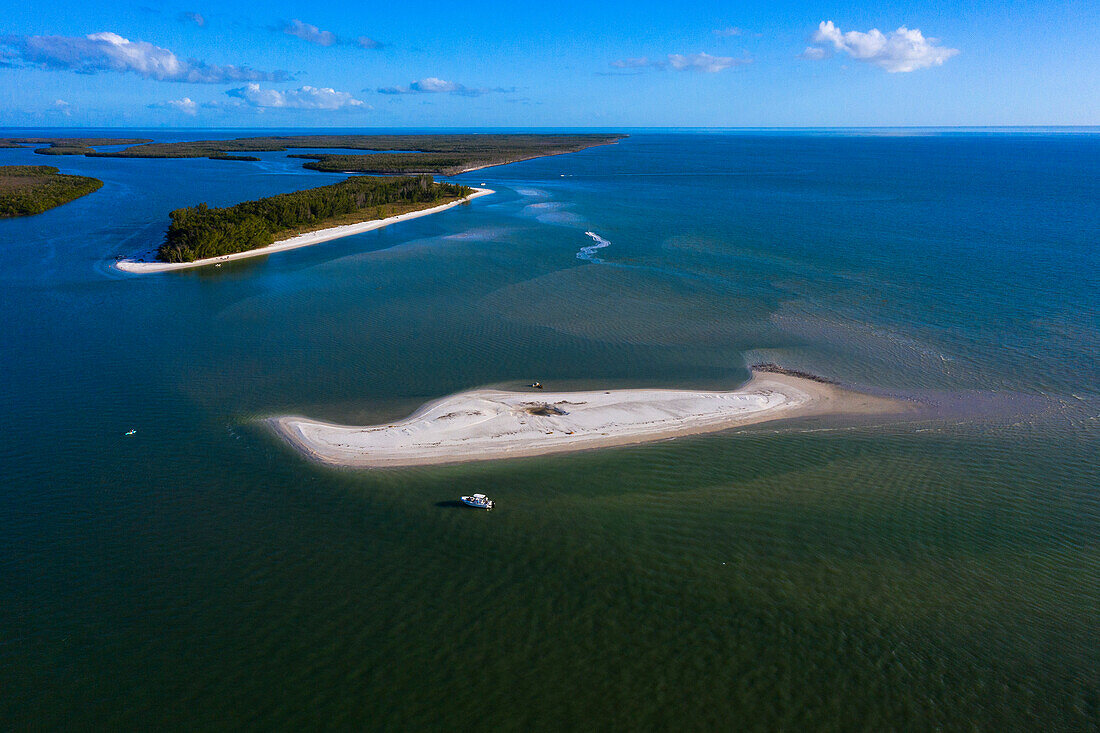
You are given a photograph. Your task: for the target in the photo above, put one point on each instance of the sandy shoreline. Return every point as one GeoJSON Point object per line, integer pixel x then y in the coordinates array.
{"type": "Point", "coordinates": [302, 240]}
{"type": "Point", "coordinates": [486, 424]}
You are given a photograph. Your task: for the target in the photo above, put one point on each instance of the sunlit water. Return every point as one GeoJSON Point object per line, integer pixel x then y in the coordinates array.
{"type": "Point", "coordinates": [940, 572]}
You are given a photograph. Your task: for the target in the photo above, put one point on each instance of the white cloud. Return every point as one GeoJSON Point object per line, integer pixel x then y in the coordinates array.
{"type": "Point", "coordinates": [192, 17]}
{"type": "Point", "coordinates": [324, 98]}
{"type": "Point", "coordinates": [703, 62]}
{"type": "Point", "coordinates": [728, 32]}
{"type": "Point", "coordinates": [683, 62]}
{"type": "Point", "coordinates": [313, 34]}
{"type": "Point", "coordinates": [185, 105]}
{"type": "Point", "coordinates": [310, 33]}
{"type": "Point", "coordinates": [814, 53]}
{"type": "Point", "coordinates": [61, 106]}
{"type": "Point", "coordinates": [98, 52]}
{"type": "Point", "coordinates": [902, 50]}
{"type": "Point", "coordinates": [433, 85]}
{"type": "Point", "coordinates": [640, 62]}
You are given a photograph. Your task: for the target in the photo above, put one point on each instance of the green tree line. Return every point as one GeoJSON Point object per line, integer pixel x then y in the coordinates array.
{"type": "Point", "coordinates": [32, 189]}
{"type": "Point", "coordinates": [199, 231]}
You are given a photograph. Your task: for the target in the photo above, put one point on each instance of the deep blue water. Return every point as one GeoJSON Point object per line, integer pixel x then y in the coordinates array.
{"type": "Point", "coordinates": [933, 573]}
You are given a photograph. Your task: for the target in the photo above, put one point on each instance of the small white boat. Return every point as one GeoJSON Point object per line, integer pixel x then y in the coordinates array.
{"type": "Point", "coordinates": [478, 501]}
{"type": "Point", "coordinates": [131, 432]}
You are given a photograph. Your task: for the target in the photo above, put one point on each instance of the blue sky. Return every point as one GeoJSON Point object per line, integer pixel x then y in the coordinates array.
{"type": "Point", "coordinates": [509, 64]}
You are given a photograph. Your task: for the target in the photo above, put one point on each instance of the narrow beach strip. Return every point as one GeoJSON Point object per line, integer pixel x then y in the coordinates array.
{"type": "Point", "coordinates": [302, 240]}
{"type": "Point", "coordinates": [488, 424]}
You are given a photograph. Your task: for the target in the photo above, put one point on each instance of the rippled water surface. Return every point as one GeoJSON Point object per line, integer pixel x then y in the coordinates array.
{"type": "Point", "coordinates": [942, 572]}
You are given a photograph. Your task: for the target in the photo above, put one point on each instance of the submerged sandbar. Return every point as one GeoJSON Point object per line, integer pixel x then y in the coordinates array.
{"type": "Point", "coordinates": [485, 424]}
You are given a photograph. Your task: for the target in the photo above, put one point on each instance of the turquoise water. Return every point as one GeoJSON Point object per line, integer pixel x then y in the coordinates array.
{"type": "Point", "coordinates": [939, 572]}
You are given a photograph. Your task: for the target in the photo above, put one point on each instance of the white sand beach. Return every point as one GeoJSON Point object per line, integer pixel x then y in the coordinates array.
{"type": "Point", "coordinates": [302, 240]}
{"type": "Point", "coordinates": [487, 424]}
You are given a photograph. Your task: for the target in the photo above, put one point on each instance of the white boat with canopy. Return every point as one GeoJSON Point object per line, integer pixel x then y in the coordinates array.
{"type": "Point", "coordinates": [478, 501]}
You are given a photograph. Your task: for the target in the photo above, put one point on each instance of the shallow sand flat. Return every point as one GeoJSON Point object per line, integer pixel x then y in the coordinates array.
{"type": "Point", "coordinates": [489, 424]}
{"type": "Point", "coordinates": [302, 240]}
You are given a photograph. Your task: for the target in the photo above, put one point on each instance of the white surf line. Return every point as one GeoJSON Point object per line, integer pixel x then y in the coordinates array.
{"type": "Point", "coordinates": [589, 253]}
{"type": "Point", "coordinates": [302, 240]}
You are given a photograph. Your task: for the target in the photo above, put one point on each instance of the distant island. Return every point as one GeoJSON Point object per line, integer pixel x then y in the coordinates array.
{"type": "Point", "coordinates": [200, 235]}
{"type": "Point", "coordinates": [390, 163]}
{"type": "Point", "coordinates": [390, 154]}
{"type": "Point", "coordinates": [68, 145]}
{"type": "Point", "coordinates": [443, 154]}
{"type": "Point", "coordinates": [32, 189]}
{"type": "Point", "coordinates": [200, 232]}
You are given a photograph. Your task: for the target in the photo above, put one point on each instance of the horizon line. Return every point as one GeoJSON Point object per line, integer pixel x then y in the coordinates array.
{"type": "Point", "coordinates": [564, 127]}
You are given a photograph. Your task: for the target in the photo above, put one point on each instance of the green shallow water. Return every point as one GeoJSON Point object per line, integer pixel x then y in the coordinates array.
{"type": "Point", "coordinates": [935, 573]}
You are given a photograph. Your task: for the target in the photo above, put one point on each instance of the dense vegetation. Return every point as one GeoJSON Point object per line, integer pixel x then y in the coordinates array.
{"type": "Point", "coordinates": [418, 153]}
{"type": "Point", "coordinates": [388, 163]}
{"type": "Point", "coordinates": [59, 150]}
{"type": "Point", "coordinates": [468, 143]}
{"type": "Point", "coordinates": [68, 145]}
{"type": "Point", "coordinates": [32, 189]}
{"type": "Point", "coordinates": [199, 232]}
{"type": "Point", "coordinates": [390, 154]}
{"type": "Point", "coordinates": [227, 156]}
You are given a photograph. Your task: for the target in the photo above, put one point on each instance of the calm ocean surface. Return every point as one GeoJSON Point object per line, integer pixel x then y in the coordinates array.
{"type": "Point", "coordinates": [937, 573]}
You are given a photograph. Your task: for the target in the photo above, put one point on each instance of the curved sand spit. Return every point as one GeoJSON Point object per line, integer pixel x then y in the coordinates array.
{"type": "Point", "coordinates": [302, 240]}
{"type": "Point", "coordinates": [486, 424]}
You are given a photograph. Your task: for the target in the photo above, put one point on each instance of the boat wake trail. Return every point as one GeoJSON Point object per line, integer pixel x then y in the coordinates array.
{"type": "Point", "coordinates": [589, 253]}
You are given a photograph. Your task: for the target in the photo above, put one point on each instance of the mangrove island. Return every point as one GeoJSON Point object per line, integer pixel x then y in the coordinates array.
{"type": "Point", "coordinates": [32, 189]}
{"type": "Point", "coordinates": [385, 154]}
{"type": "Point", "coordinates": [200, 232]}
